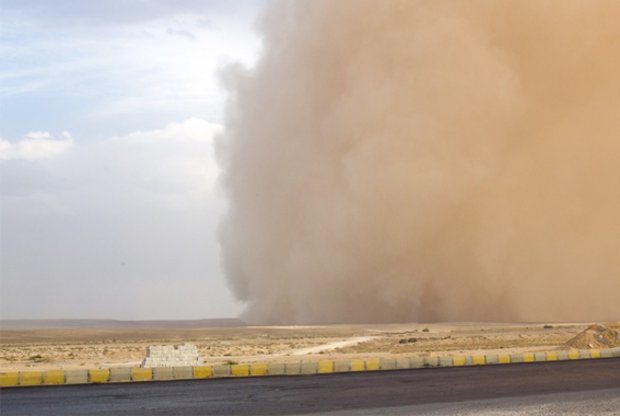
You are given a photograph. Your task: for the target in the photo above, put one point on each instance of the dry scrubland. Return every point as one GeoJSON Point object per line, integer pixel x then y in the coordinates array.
{"type": "Point", "coordinates": [69, 348]}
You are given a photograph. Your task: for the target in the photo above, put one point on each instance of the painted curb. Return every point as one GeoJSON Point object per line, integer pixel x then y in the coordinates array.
{"type": "Point", "coordinates": [10, 379]}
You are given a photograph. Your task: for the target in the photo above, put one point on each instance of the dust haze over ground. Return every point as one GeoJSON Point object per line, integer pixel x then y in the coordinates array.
{"type": "Point", "coordinates": [409, 160]}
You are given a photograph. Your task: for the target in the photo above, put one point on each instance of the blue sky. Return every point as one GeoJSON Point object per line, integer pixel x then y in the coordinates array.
{"type": "Point", "coordinates": [109, 200]}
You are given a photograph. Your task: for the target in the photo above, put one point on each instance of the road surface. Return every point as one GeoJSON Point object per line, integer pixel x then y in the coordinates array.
{"type": "Point", "coordinates": [567, 386]}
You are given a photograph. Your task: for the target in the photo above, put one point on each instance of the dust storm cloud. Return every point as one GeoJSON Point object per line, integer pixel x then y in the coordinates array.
{"type": "Point", "coordinates": [409, 160]}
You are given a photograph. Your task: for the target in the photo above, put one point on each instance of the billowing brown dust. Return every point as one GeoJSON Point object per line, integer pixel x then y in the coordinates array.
{"type": "Point", "coordinates": [426, 160]}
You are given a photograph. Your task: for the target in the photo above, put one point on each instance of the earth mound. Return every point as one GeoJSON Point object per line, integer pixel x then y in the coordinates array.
{"type": "Point", "coordinates": [595, 336]}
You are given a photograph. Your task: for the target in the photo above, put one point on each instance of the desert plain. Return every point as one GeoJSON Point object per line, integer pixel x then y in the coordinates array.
{"type": "Point", "coordinates": [103, 344]}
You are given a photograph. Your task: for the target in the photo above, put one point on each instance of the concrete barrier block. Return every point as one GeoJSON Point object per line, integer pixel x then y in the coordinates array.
{"type": "Point", "coordinates": [275, 369]}
{"type": "Point", "coordinates": [309, 367]}
{"type": "Point", "coordinates": [358, 365]}
{"type": "Point", "coordinates": [573, 354]}
{"type": "Point", "coordinates": [540, 356]}
{"type": "Point", "coordinates": [478, 360]}
{"type": "Point", "coordinates": [76, 376]}
{"type": "Point", "coordinates": [373, 364]}
{"type": "Point", "coordinates": [503, 358]}
{"type": "Point", "coordinates": [459, 360]}
{"type": "Point", "coordinates": [584, 354]}
{"type": "Point", "coordinates": [595, 353]}
{"type": "Point", "coordinates": [202, 371]}
{"type": "Point", "coordinates": [162, 373]}
{"type": "Point", "coordinates": [551, 356]}
{"type": "Point", "coordinates": [292, 368]}
{"type": "Point", "coordinates": [240, 370]}
{"type": "Point", "coordinates": [614, 352]}
{"type": "Point", "coordinates": [326, 366]}
{"type": "Point", "coordinates": [491, 359]}
{"type": "Point", "coordinates": [416, 362]}
{"type": "Point", "coordinates": [403, 362]}
{"type": "Point", "coordinates": [54, 377]}
{"type": "Point", "coordinates": [98, 376]}
{"type": "Point", "coordinates": [431, 361]}
{"type": "Point", "coordinates": [342, 366]}
{"type": "Point", "coordinates": [445, 361]}
{"type": "Point", "coordinates": [561, 355]}
{"type": "Point", "coordinates": [528, 357]}
{"type": "Point", "coordinates": [516, 358]}
{"type": "Point", "coordinates": [388, 364]}
{"type": "Point", "coordinates": [182, 373]}
{"type": "Point", "coordinates": [258, 369]}
{"type": "Point", "coordinates": [29, 378]}
{"type": "Point", "coordinates": [118, 375]}
{"type": "Point", "coordinates": [607, 353]}
{"type": "Point", "coordinates": [221, 370]}
{"type": "Point", "coordinates": [141, 374]}
{"type": "Point", "coordinates": [9, 378]}
{"type": "Point", "coordinates": [185, 355]}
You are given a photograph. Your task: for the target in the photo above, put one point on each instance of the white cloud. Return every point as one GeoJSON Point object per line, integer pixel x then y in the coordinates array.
{"type": "Point", "coordinates": [171, 166]}
{"type": "Point", "coordinates": [167, 168]}
{"type": "Point", "coordinates": [192, 129]}
{"type": "Point", "coordinates": [35, 145]}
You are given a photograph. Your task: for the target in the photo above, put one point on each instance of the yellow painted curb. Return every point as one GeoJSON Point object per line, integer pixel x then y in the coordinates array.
{"type": "Point", "coordinates": [503, 358]}
{"type": "Point", "coordinates": [326, 366]}
{"type": "Point", "coordinates": [54, 377]}
{"type": "Point", "coordinates": [357, 365]}
{"type": "Point", "coordinates": [29, 378]}
{"type": "Point", "coordinates": [373, 364]}
{"type": "Point", "coordinates": [240, 370]}
{"type": "Point", "coordinates": [458, 360]}
{"type": "Point", "coordinates": [98, 376]}
{"type": "Point", "coordinates": [141, 374]}
{"type": "Point", "coordinates": [203, 371]}
{"type": "Point", "coordinates": [258, 369]}
{"type": "Point", "coordinates": [478, 360]}
{"type": "Point", "coordinates": [9, 378]}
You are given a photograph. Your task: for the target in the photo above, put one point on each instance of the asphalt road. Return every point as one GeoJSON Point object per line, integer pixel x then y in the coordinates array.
{"type": "Point", "coordinates": [383, 392]}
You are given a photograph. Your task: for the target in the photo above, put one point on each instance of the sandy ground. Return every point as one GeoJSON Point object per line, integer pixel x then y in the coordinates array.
{"type": "Point", "coordinates": [69, 348]}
